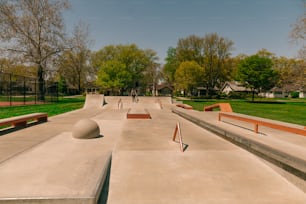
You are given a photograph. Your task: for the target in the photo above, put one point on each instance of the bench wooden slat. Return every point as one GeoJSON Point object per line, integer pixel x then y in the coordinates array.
{"type": "Point", "coordinates": [23, 119]}
{"type": "Point", "coordinates": [257, 123]}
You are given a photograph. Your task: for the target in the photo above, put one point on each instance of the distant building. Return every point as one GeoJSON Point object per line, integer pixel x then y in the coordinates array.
{"type": "Point", "coordinates": [302, 94]}
{"type": "Point", "coordinates": [164, 90]}
{"type": "Point", "coordinates": [234, 86]}
{"type": "Point", "coordinates": [275, 93]}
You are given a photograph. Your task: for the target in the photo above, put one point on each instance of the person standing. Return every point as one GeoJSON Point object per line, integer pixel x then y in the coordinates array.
{"type": "Point", "coordinates": [133, 94]}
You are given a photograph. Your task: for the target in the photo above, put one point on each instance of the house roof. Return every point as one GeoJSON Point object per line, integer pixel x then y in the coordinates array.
{"type": "Point", "coordinates": [235, 86]}
{"type": "Point", "coordinates": [162, 86]}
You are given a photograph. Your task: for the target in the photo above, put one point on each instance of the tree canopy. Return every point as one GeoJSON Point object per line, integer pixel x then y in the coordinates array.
{"type": "Point", "coordinates": [34, 31]}
{"type": "Point", "coordinates": [188, 76]}
{"type": "Point", "coordinates": [256, 73]}
{"type": "Point", "coordinates": [212, 52]}
{"type": "Point", "coordinates": [74, 64]}
{"type": "Point", "coordinates": [135, 64]}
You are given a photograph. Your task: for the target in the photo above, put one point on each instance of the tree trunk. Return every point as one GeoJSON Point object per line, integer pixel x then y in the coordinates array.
{"type": "Point", "coordinates": [207, 90]}
{"type": "Point", "coordinates": [253, 95]}
{"type": "Point", "coordinates": [41, 83]}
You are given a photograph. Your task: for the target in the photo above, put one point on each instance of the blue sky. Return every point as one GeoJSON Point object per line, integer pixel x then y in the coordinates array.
{"type": "Point", "coordinates": [158, 24]}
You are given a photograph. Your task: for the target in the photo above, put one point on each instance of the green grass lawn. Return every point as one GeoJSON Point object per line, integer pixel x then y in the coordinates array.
{"type": "Point", "coordinates": [62, 106]}
{"type": "Point", "coordinates": [292, 111]}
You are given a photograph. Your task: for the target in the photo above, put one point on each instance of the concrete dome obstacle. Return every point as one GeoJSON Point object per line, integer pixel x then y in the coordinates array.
{"type": "Point", "coordinates": [86, 129]}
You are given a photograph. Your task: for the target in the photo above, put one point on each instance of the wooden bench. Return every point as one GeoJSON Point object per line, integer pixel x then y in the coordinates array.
{"type": "Point", "coordinates": [224, 107]}
{"type": "Point", "coordinates": [22, 121]}
{"type": "Point", "coordinates": [185, 106]}
{"type": "Point", "coordinates": [257, 123]}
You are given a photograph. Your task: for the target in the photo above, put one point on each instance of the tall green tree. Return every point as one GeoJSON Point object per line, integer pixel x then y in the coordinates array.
{"type": "Point", "coordinates": [136, 61]}
{"type": "Point", "coordinates": [152, 73]}
{"type": "Point", "coordinates": [33, 30]}
{"type": "Point", "coordinates": [212, 52]}
{"type": "Point", "coordinates": [171, 65]}
{"type": "Point", "coordinates": [256, 73]}
{"type": "Point", "coordinates": [217, 62]}
{"type": "Point", "coordinates": [191, 48]}
{"type": "Point", "coordinates": [113, 75]}
{"type": "Point", "coordinates": [188, 76]}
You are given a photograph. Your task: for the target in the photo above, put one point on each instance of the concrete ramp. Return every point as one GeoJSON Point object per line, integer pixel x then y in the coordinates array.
{"type": "Point", "coordinates": [125, 102]}
{"type": "Point", "coordinates": [94, 101]}
{"type": "Point", "coordinates": [62, 170]}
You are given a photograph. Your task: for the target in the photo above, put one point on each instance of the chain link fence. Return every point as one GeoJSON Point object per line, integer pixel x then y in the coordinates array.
{"type": "Point", "coordinates": [20, 90]}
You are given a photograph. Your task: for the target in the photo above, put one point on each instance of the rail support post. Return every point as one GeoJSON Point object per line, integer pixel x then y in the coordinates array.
{"type": "Point", "coordinates": [177, 130]}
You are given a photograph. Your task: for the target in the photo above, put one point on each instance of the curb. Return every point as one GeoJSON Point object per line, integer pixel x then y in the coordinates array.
{"type": "Point", "coordinates": [292, 164]}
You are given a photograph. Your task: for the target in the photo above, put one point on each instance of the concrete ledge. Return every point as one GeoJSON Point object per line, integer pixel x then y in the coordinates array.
{"type": "Point", "coordinates": [185, 106]}
{"type": "Point", "coordinates": [290, 163]}
{"type": "Point", "coordinates": [61, 170]}
{"type": "Point", "coordinates": [138, 114]}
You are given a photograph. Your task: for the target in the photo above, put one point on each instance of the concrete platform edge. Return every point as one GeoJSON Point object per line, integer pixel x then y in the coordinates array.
{"type": "Point", "coordinates": [285, 161]}
{"type": "Point", "coordinates": [92, 199]}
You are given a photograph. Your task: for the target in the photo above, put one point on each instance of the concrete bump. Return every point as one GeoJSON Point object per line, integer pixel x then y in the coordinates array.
{"type": "Point", "coordinates": [86, 129]}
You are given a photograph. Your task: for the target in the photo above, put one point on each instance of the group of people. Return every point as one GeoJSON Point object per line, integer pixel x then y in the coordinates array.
{"type": "Point", "coordinates": [134, 95]}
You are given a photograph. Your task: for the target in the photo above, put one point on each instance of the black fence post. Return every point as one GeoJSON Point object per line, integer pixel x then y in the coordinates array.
{"type": "Point", "coordinates": [24, 90]}
{"type": "Point", "coordinates": [10, 89]}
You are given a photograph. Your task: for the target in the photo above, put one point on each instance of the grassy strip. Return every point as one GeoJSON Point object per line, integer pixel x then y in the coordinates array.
{"type": "Point", "coordinates": [286, 111]}
{"type": "Point", "coordinates": [62, 106]}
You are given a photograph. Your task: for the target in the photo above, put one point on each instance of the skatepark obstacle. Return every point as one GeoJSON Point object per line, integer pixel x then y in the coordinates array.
{"type": "Point", "coordinates": [138, 114]}
{"type": "Point", "coordinates": [258, 123]}
{"type": "Point", "coordinates": [224, 107]}
{"type": "Point", "coordinates": [94, 101]}
{"type": "Point", "coordinates": [22, 121]}
{"type": "Point", "coordinates": [86, 129]}
{"type": "Point", "coordinates": [177, 130]}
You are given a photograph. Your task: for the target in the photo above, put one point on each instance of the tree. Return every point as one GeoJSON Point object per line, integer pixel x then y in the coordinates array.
{"type": "Point", "coordinates": [152, 73]}
{"type": "Point", "coordinates": [15, 68]}
{"type": "Point", "coordinates": [217, 63]}
{"type": "Point", "coordinates": [33, 30]}
{"type": "Point", "coordinates": [287, 71]}
{"type": "Point", "coordinates": [188, 76]}
{"type": "Point", "coordinates": [171, 65]}
{"type": "Point", "coordinates": [136, 61]}
{"type": "Point", "coordinates": [191, 48]}
{"type": "Point", "coordinates": [298, 33]}
{"type": "Point", "coordinates": [74, 63]}
{"type": "Point", "coordinates": [256, 73]}
{"type": "Point", "coordinates": [212, 52]}
{"type": "Point", "coordinates": [113, 75]}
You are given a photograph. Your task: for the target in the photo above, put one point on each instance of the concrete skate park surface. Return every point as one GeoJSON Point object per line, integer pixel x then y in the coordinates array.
{"type": "Point", "coordinates": [45, 164]}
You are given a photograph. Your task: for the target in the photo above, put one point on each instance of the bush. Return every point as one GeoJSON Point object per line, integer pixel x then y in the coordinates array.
{"type": "Point", "coordinates": [237, 95]}
{"type": "Point", "coordinates": [294, 94]}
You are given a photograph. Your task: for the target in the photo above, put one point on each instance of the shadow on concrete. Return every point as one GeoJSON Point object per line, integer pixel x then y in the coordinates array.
{"type": "Point", "coordinates": [252, 130]}
{"type": "Point", "coordinates": [8, 130]}
{"type": "Point", "coordinates": [104, 192]}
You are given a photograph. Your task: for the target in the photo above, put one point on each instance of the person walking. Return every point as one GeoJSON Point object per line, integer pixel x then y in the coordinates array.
{"type": "Point", "coordinates": [133, 94]}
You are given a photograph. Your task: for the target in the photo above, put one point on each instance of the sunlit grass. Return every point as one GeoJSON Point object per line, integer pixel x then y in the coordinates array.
{"type": "Point", "coordinates": [62, 106]}
{"type": "Point", "coordinates": [287, 111]}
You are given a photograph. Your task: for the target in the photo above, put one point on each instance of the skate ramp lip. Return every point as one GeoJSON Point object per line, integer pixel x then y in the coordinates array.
{"type": "Point", "coordinates": [125, 102]}
{"type": "Point", "coordinates": [94, 101]}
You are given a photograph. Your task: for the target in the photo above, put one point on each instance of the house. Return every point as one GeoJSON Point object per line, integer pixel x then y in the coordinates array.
{"type": "Point", "coordinates": [275, 93]}
{"type": "Point", "coordinates": [234, 86]}
{"type": "Point", "coordinates": [302, 94]}
{"type": "Point", "coordinates": [164, 90]}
